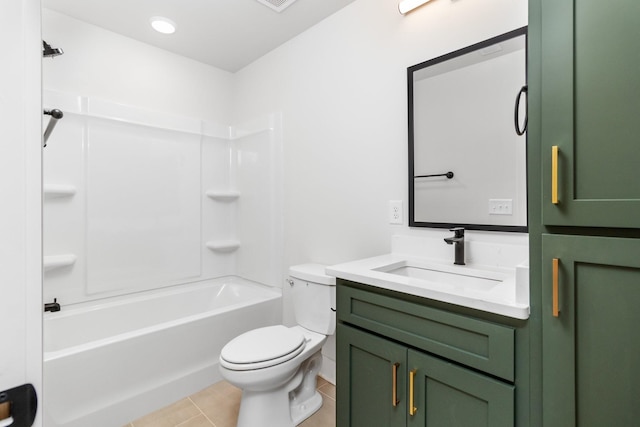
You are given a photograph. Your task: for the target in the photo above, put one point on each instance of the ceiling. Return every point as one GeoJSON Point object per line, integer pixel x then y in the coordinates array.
{"type": "Point", "coordinates": [227, 34]}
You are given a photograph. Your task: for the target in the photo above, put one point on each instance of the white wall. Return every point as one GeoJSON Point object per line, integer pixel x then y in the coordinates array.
{"type": "Point", "coordinates": [101, 64]}
{"type": "Point", "coordinates": [341, 88]}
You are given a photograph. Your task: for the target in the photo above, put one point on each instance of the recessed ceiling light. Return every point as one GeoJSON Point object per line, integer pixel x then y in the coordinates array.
{"type": "Point", "coordinates": [163, 25]}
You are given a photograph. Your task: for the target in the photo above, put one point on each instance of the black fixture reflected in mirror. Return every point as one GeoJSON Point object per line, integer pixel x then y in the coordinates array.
{"type": "Point", "coordinates": [461, 119]}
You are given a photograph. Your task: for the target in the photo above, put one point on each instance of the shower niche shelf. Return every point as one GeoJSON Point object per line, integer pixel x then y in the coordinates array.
{"type": "Point", "coordinates": [223, 195]}
{"type": "Point", "coordinates": [58, 190]}
{"type": "Point", "coordinates": [223, 245]}
{"type": "Point", "coordinates": [51, 262]}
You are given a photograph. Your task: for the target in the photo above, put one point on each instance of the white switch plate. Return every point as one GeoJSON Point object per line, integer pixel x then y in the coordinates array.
{"type": "Point", "coordinates": [500, 206]}
{"type": "Point", "coordinates": [395, 212]}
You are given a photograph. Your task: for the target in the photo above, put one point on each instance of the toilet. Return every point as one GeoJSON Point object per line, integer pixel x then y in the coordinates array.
{"type": "Point", "coordinates": [276, 366]}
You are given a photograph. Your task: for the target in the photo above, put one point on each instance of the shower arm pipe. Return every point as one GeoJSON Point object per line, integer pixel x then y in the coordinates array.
{"type": "Point", "coordinates": [55, 116]}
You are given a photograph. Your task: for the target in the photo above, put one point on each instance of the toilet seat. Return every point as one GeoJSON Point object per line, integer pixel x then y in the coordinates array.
{"type": "Point", "coordinates": [262, 348]}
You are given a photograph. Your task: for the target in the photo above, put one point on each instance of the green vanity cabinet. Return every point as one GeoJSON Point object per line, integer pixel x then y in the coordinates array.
{"type": "Point", "coordinates": [591, 344]}
{"type": "Point", "coordinates": [402, 362]}
{"type": "Point", "coordinates": [590, 104]}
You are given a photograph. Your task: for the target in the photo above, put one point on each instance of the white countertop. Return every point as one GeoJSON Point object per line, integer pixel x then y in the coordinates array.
{"type": "Point", "coordinates": [500, 290]}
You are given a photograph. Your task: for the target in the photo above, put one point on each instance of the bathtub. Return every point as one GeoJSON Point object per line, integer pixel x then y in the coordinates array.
{"type": "Point", "coordinates": [107, 363]}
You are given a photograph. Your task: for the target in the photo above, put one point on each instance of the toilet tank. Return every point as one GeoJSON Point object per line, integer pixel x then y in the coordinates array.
{"type": "Point", "coordinates": [314, 298]}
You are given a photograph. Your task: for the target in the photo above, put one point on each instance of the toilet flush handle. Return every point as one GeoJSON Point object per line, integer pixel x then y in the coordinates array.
{"type": "Point", "coordinates": [290, 282]}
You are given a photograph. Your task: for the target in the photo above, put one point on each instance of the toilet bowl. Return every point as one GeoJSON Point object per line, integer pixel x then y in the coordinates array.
{"type": "Point", "coordinates": [276, 366]}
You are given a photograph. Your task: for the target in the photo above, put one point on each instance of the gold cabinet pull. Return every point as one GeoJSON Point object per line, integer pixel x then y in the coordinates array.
{"type": "Point", "coordinates": [554, 174]}
{"type": "Point", "coordinates": [412, 408]}
{"type": "Point", "coordinates": [394, 384]}
{"type": "Point", "coordinates": [556, 304]}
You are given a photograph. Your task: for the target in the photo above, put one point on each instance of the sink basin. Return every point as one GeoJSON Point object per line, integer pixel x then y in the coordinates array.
{"type": "Point", "coordinates": [495, 289]}
{"type": "Point", "coordinates": [458, 277]}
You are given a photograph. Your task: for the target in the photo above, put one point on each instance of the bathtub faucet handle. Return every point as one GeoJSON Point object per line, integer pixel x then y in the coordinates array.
{"type": "Point", "coordinates": [52, 306]}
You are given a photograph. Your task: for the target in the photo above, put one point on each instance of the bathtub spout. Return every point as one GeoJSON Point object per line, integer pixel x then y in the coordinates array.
{"type": "Point", "coordinates": [52, 306]}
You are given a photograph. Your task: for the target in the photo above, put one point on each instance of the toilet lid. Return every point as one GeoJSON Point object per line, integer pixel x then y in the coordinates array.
{"type": "Point", "coordinates": [263, 347]}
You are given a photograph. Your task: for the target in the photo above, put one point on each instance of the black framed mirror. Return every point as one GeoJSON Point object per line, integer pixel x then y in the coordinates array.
{"type": "Point", "coordinates": [467, 160]}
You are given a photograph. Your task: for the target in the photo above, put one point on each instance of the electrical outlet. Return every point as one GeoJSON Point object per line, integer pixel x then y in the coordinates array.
{"type": "Point", "coordinates": [500, 206]}
{"type": "Point", "coordinates": [395, 211]}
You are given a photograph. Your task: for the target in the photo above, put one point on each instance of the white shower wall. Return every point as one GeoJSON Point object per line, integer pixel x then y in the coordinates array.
{"type": "Point", "coordinates": [259, 167]}
{"type": "Point", "coordinates": [143, 173]}
{"type": "Point", "coordinates": [138, 199]}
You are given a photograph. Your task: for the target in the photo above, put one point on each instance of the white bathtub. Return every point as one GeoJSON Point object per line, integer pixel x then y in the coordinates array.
{"type": "Point", "coordinates": [107, 363]}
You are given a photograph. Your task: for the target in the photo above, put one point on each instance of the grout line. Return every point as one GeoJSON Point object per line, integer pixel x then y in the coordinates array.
{"type": "Point", "coordinates": [325, 394]}
{"type": "Point", "coordinates": [205, 415]}
{"type": "Point", "coordinates": [187, 420]}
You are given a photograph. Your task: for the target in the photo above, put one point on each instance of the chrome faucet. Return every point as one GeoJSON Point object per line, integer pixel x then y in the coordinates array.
{"type": "Point", "coordinates": [458, 239]}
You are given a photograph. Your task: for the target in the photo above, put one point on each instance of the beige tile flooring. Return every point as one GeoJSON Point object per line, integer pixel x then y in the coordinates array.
{"type": "Point", "coordinates": [218, 405]}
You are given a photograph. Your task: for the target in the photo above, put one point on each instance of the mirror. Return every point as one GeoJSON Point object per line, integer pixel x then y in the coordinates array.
{"type": "Point", "coordinates": [467, 163]}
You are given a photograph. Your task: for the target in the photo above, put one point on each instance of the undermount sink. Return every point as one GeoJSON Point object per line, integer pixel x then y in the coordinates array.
{"type": "Point", "coordinates": [499, 290]}
{"type": "Point", "coordinates": [443, 275]}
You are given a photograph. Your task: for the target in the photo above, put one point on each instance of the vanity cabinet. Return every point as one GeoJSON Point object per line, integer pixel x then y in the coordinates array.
{"type": "Point", "coordinates": [403, 362]}
{"type": "Point", "coordinates": [590, 101]}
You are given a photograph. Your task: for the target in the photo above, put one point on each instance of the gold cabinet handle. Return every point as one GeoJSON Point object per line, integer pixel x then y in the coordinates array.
{"type": "Point", "coordinates": [554, 174]}
{"type": "Point", "coordinates": [394, 384]}
{"type": "Point", "coordinates": [412, 408]}
{"type": "Point", "coordinates": [556, 303]}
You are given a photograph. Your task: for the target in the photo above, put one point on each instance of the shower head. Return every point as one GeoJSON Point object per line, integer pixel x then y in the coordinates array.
{"type": "Point", "coordinates": [50, 52]}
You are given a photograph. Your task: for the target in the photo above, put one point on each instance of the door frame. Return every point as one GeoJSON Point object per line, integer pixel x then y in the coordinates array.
{"type": "Point", "coordinates": [21, 191]}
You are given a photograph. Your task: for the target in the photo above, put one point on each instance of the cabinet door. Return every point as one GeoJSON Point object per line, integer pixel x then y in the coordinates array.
{"type": "Point", "coordinates": [365, 370]}
{"type": "Point", "coordinates": [591, 347]}
{"type": "Point", "coordinates": [590, 108]}
{"type": "Point", "coordinates": [447, 395]}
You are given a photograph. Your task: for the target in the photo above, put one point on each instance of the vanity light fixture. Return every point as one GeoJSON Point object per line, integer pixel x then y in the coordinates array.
{"type": "Point", "coordinates": [163, 25]}
{"type": "Point", "coordinates": [406, 6]}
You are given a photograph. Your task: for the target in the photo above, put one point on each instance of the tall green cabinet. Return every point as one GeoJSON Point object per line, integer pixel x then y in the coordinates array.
{"type": "Point", "coordinates": [584, 211]}
{"type": "Point", "coordinates": [591, 344]}
{"type": "Point", "coordinates": [590, 108]}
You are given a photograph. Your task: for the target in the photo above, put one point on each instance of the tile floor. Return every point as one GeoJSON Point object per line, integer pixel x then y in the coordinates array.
{"type": "Point", "coordinates": [218, 405]}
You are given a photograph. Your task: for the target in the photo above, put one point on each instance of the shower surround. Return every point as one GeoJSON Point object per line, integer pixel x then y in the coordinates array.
{"type": "Point", "coordinates": [137, 199]}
